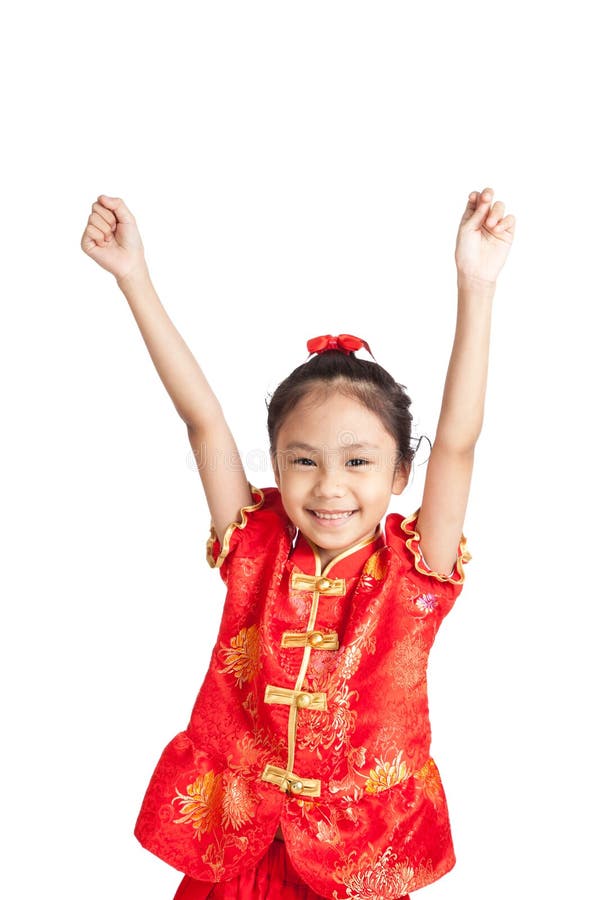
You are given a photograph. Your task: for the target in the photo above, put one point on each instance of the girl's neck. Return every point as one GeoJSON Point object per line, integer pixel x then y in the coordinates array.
{"type": "Point", "coordinates": [327, 557]}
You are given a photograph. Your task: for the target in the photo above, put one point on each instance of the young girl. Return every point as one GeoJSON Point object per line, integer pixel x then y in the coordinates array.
{"type": "Point", "coordinates": [305, 769]}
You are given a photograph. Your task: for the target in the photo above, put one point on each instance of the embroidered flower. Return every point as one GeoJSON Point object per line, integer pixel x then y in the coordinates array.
{"type": "Point", "coordinates": [365, 637]}
{"type": "Point", "coordinates": [376, 566]}
{"type": "Point", "coordinates": [331, 726]}
{"type": "Point", "coordinates": [426, 602]}
{"type": "Point", "coordinates": [213, 857]}
{"type": "Point", "coordinates": [238, 801]}
{"type": "Point", "coordinates": [342, 785]}
{"type": "Point", "coordinates": [222, 798]}
{"type": "Point", "coordinates": [201, 806]}
{"type": "Point", "coordinates": [328, 833]}
{"type": "Point", "coordinates": [241, 657]}
{"type": "Point", "coordinates": [357, 756]}
{"type": "Point", "coordinates": [380, 879]}
{"type": "Point", "coordinates": [261, 746]}
{"type": "Point", "coordinates": [386, 774]}
{"type": "Point", "coordinates": [430, 783]}
{"type": "Point", "coordinates": [344, 718]}
{"type": "Point", "coordinates": [350, 813]}
{"type": "Point", "coordinates": [350, 661]}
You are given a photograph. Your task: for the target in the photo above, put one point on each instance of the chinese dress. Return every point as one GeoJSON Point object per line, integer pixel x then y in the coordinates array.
{"type": "Point", "coordinates": [312, 716]}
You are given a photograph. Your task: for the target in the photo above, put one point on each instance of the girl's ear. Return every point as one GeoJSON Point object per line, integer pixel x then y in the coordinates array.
{"type": "Point", "coordinates": [400, 479]}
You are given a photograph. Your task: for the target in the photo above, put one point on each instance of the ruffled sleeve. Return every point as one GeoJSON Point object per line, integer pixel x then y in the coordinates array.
{"type": "Point", "coordinates": [413, 545]}
{"type": "Point", "coordinates": [216, 551]}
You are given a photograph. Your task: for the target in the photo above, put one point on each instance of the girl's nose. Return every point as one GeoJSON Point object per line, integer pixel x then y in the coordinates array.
{"type": "Point", "coordinates": [329, 484]}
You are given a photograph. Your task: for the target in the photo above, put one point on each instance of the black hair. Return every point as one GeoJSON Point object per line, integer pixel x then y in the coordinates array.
{"type": "Point", "coordinates": [361, 379]}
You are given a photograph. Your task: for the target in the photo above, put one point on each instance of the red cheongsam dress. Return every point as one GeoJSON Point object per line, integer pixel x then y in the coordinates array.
{"type": "Point", "coordinates": [313, 715]}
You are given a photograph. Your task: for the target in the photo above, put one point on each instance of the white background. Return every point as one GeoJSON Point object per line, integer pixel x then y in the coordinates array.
{"type": "Point", "coordinates": [294, 169]}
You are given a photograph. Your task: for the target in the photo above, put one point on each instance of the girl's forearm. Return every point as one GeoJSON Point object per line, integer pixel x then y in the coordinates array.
{"type": "Point", "coordinates": [181, 375]}
{"type": "Point", "coordinates": [461, 416]}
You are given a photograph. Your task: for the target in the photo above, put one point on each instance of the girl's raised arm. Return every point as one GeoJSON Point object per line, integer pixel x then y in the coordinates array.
{"type": "Point", "coordinates": [484, 239]}
{"type": "Point", "coordinates": [112, 239]}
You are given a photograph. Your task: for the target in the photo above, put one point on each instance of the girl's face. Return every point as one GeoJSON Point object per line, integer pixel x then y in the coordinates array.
{"type": "Point", "coordinates": [335, 465]}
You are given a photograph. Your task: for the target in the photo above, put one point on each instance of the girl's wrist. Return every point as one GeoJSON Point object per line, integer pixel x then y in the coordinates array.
{"type": "Point", "coordinates": [139, 272]}
{"type": "Point", "coordinates": [471, 282]}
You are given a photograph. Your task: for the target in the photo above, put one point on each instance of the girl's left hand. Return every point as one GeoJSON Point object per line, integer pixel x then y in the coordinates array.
{"type": "Point", "coordinates": [484, 238]}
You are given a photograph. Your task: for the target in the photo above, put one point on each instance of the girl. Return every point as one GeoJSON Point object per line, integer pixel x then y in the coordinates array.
{"type": "Point", "coordinates": [305, 769]}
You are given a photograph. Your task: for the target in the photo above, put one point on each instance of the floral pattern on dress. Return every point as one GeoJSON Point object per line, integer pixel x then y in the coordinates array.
{"type": "Point", "coordinates": [222, 799]}
{"type": "Point", "coordinates": [375, 877]}
{"type": "Point", "coordinates": [410, 661]}
{"type": "Point", "coordinates": [350, 661]}
{"type": "Point", "coordinates": [386, 774]}
{"type": "Point", "coordinates": [238, 801]}
{"type": "Point", "coordinates": [242, 656]}
{"type": "Point", "coordinates": [334, 725]}
{"type": "Point", "coordinates": [426, 603]}
{"type": "Point", "coordinates": [259, 746]}
{"type": "Point", "coordinates": [200, 807]}
{"type": "Point", "coordinates": [346, 785]}
{"type": "Point", "coordinates": [428, 779]}
{"type": "Point", "coordinates": [376, 566]}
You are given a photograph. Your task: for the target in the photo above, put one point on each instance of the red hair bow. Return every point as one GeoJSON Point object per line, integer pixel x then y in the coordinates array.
{"type": "Point", "coordinates": [347, 343]}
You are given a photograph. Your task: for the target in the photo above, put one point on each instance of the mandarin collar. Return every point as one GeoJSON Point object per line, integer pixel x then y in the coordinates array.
{"type": "Point", "coordinates": [347, 564]}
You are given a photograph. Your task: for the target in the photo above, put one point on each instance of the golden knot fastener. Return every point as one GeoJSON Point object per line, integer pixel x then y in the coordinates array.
{"type": "Point", "coordinates": [303, 700]}
{"type": "Point", "coordinates": [323, 584]}
{"type": "Point", "coordinates": [315, 638]}
{"type": "Point", "coordinates": [288, 781]}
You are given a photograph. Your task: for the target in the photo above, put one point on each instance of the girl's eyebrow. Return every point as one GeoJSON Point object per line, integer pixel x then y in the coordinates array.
{"type": "Point", "coordinates": [360, 446]}
{"type": "Point", "coordinates": [299, 445]}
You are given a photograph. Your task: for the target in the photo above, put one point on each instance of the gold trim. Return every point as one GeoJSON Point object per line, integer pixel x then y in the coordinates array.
{"type": "Point", "coordinates": [300, 699]}
{"type": "Point", "coordinates": [289, 782]}
{"type": "Point", "coordinates": [218, 562]}
{"type": "Point", "coordinates": [348, 552]}
{"type": "Point", "coordinates": [331, 587]}
{"type": "Point", "coordinates": [457, 576]}
{"type": "Point", "coordinates": [293, 715]}
{"type": "Point", "coordinates": [319, 584]}
{"type": "Point", "coordinates": [291, 735]}
{"type": "Point", "coordinates": [318, 640]}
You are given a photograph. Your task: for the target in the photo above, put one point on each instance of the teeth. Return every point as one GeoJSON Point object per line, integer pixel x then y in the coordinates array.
{"type": "Point", "coordinates": [344, 515]}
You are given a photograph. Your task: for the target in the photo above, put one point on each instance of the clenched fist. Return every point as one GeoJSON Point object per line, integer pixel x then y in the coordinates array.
{"type": "Point", "coordinates": [112, 238]}
{"type": "Point", "coordinates": [485, 236]}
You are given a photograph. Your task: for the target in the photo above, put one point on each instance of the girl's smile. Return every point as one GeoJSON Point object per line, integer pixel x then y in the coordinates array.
{"type": "Point", "coordinates": [336, 468]}
{"type": "Point", "coordinates": [332, 518]}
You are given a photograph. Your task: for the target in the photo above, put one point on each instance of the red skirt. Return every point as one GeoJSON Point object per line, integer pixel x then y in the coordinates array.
{"type": "Point", "coordinates": [274, 877]}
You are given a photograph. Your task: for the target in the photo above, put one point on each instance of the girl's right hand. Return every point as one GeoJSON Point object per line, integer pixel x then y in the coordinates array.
{"type": "Point", "coordinates": [112, 238]}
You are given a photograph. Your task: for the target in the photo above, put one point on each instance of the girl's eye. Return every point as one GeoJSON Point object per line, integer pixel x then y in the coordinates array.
{"type": "Point", "coordinates": [303, 461]}
{"type": "Point", "coordinates": [357, 462]}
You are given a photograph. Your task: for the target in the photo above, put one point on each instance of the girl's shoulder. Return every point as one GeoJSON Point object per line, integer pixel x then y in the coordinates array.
{"type": "Point", "coordinates": [257, 527]}
{"type": "Point", "coordinates": [404, 540]}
